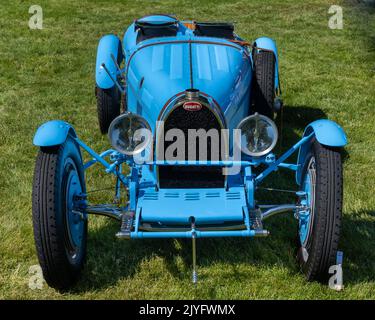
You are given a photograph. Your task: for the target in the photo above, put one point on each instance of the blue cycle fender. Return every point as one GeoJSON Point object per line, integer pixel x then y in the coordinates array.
{"type": "Point", "coordinates": [108, 45]}
{"type": "Point", "coordinates": [269, 44]}
{"type": "Point", "coordinates": [53, 133]}
{"type": "Point", "coordinates": [327, 133]}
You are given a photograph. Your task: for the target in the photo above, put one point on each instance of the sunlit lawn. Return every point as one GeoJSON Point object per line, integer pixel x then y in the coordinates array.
{"type": "Point", "coordinates": [49, 74]}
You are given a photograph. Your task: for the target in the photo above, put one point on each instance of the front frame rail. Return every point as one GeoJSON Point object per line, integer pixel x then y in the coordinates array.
{"type": "Point", "coordinates": [117, 159]}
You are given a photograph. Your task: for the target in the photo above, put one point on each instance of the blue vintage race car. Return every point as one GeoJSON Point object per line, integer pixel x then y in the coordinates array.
{"type": "Point", "coordinates": [189, 108]}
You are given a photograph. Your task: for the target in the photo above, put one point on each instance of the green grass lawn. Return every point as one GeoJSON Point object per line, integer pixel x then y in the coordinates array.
{"type": "Point", "coordinates": [49, 74]}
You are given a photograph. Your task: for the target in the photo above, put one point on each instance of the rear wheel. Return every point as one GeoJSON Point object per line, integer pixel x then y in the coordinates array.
{"type": "Point", "coordinates": [108, 103]}
{"type": "Point", "coordinates": [263, 91]}
{"type": "Point", "coordinates": [319, 227]}
{"type": "Point", "coordinates": [60, 228]}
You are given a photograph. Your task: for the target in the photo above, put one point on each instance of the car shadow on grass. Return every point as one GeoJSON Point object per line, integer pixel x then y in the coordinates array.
{"type": "Point", "coordinates": [110, 260]}
{"type": "Point", "coordinates": [357, 243]}
{"type": "Point", "coordinates": [293, 120]}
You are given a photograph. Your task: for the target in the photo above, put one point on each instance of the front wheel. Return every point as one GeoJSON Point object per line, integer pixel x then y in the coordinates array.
{"type": "Point", "coordinates": [60, 227]}
{"type": "Point", "coordinates": [320, 224]}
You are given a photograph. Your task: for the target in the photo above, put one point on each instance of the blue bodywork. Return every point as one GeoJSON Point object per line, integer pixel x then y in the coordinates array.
{"type": "Point", "coordinates": [269, 44]}
{"type": "Point", "coordinates": [328, 133]}
{"type": "Point", "coordinates": [109, 52]}
{"type": "Point", "coordinates": [53, 133]}
{"type": "Point", "coordinates": [154, 72]}
{"type": "Point", "coordinates": [180, 204]}
{"type": "Point", "coordinates": [159, 68]}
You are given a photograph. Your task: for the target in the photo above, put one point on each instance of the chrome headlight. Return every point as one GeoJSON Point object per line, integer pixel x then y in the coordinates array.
{"type": "Point", "coordinates": [129, 134]}
{"type": "Point", "coordinates": [258, 135]}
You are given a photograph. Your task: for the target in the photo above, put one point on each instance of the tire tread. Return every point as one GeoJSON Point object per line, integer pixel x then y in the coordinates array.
{"type": "Point", "coordinates": [329, 183]}
{"type": "Point", "coordinates": [264, 82]}
{"type": "Point", "coordinates": [57, 271]}
{"type": "Point", "coordinates": [108, 106]}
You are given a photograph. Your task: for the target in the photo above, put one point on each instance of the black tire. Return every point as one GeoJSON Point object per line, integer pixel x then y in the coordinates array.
{"type": "Point", "coordinates": [60, 257]}
{"type": "Point", "coordinates": [108, 102]}
{"type": "Point", "coordinates": [264, 83]}
{"type": "Point", "coordinates": [318, 252]}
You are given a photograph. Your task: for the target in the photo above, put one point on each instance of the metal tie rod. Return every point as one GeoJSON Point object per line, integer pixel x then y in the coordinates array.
{"type": "Point", "coordinates": [278, 209]}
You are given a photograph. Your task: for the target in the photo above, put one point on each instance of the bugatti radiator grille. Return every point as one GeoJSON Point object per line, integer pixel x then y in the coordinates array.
{"type": "Point", "coordinates": [193, 176]}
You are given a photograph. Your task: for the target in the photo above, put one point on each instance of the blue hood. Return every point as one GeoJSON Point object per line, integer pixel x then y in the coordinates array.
{"type": "Point", "coordinates": [160, 68]}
